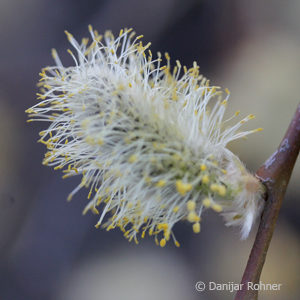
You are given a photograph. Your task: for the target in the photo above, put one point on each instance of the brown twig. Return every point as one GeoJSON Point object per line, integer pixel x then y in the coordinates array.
{"type": "Point", "coordinates": [275, 175]}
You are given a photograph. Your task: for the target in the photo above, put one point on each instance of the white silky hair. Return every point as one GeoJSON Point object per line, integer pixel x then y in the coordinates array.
{"type": "Point", "coordinates": [149, 142]}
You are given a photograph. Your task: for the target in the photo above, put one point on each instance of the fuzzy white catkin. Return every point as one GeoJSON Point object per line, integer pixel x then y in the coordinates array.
{"type": "Point", "coordinates": [149, 141]}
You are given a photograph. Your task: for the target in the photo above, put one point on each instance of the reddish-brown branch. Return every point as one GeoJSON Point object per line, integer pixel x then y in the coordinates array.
{"type": "Point", "coordinates": [275, 175]}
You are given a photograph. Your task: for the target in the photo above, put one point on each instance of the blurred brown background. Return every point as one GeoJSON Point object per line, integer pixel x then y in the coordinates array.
{"type": "Point", "coordinates": [47, 249]}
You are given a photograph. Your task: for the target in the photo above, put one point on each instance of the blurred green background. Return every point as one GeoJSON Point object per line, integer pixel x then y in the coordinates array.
{"type": "Point", "coordinates": [47, 249]}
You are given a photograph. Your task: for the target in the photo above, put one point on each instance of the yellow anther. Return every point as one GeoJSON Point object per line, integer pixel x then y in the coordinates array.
{"type": "Point", "coordinates": [191, 205]}
{"type": "Point", "coordinates": [237, 113]}
{"type": "Point", "coordinates": [54, 53]}
{"type": "Point", "coordinates": [175, 209]}
{"type": "Point", "coordinates": [90, 140]}
{"type": "Point", "coordinates": [161, 183]}
{"type": "Point", "coordinates": [132, 158]}
{"type": "Point", "coordinates": [90, 48]}
{"type": "Point", "coordinates": [162, 243]}
{"type": "Point", "coordinates": [70, 52]}
{"type": "Point", "coordinates": [213, 89]}
{"type": "Point", "coordinates": [177, 244]}
{"type": "Point", "coordinates": [215, 163]}
{"type": "Point", "coordinates": [222, 190]}
{"type": "Point", "coordinates": [176, 156]}
{"type": "Point", "coordinates": [129, 205]}
{"type": "Point", "coordinates": [90, 27]}
{"type": "Point", "coordinates": [30, 111]}
{"type": "Point", "coordinates": [106, 199]}
{"type": "Point", "coordinates": [205, 179]}
{"type": "Point", "coordinates": [167, 235]}
{"type": "Point", "coordinates": [250, 117]}
{"type": "Point", "coordinates": [203, 167]}
{"type": "Point", "coordinates": [224, 102]}
{"type": "Point", "coordinates": [158, 146]}
{"type": "Point", "coordinates": [147, 46]}
{"type": "Point", "coordinates": [258, 129]}
{"type": "Point", "coordinates": [217, 207]}
{"type": "Point", "coordinates": [174, 95]}
{"type": "Point", "coordinates": [183, 188]}
{"type": "Point", "coordinates": [69, 35]}
{"type": "Point", "coordinates": [196, 227]}
{"type": "Point", "coordinates": [147, 179]}
{"type": "Point", "coordinates": [110, 227]}
{"type": "Point", "coordinates": [85, 41]}
{"type": "Point", "coordinates": [99, 200]}
{"type": "Point", "coordinates": [227, 91]}
{"type": "Point", "coordinates": [193, 217]}
{"type": "Point", "coordinates": [40, 96]}
{"type": "Point", "coordinates": [214, 187]}
{"type": "Point", "coordinates": [206, 202]}
{"type": "Point", "coordinates": [86, 209]}
{"type": "Point", "coordinates": [95, 210]}
{"type": "Point", "coordinates": [163, 226]}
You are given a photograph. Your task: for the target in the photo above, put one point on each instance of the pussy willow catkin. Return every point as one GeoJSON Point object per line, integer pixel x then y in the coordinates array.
{"type": "Point", "coordinates": [148, 140]}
